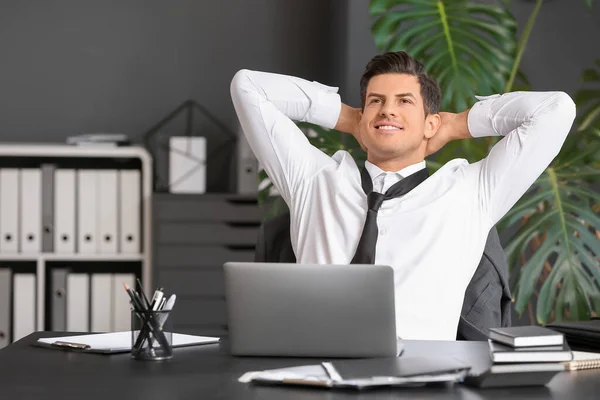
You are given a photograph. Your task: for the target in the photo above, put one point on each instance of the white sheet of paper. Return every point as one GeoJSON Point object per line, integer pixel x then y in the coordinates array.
{"type": "Point", "coordinates": [121, 341]}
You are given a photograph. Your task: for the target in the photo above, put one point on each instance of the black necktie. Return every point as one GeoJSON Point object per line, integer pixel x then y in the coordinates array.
{"type": "Point", "coordinates": [365, 252]}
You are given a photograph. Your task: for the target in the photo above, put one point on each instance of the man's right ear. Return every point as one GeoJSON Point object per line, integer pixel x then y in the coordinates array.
{"type": "Point", "coordinates": [433, 122]}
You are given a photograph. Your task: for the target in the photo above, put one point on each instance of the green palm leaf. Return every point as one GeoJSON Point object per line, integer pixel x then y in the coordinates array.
{"type": "Point", "coordinates": [468, 47]}
{"type": "Point", "coordinates": [562, 209]}
{"type": "Point", "coordinates": [562, 206]}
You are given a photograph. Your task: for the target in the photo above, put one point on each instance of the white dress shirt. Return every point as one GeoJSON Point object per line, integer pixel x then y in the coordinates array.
{"type": "Point", "coordinates": [434, 236]}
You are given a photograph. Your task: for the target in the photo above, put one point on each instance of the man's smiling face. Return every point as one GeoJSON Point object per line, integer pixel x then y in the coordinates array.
{"type": "Point", "coordinates": [393, 124]}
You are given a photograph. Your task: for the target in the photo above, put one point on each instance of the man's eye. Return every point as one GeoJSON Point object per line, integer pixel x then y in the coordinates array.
{"type": "Point", "coordinates": [406, 101]}
{"type": "Point", "coordinates": [376, 101]}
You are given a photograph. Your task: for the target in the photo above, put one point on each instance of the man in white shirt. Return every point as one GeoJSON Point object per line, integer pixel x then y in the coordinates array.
{"type": "Point", "coordinates": [433, 236]}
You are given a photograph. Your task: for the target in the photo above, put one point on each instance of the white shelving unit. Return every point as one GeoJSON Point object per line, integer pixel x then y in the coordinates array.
{"type": "Point", "coordinates": [24, 155]}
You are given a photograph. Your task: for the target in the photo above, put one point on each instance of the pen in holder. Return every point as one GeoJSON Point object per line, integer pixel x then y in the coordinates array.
{"type": "Point", "coordinates": [151, 337]}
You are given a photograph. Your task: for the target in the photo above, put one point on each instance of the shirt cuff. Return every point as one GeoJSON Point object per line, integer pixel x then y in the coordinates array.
{"type": "Point", "coordinates": [325, 109]}
{"type": "Point", "coordinates": [479, 120]}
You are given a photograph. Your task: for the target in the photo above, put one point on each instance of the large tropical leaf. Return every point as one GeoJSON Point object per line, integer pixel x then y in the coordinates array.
{"type": "Point", "coordinates": [560, 211]}
{"type": "Point", "coordinates": [561, 229]}
{"type": "Point", "coordinates": [467, 46]}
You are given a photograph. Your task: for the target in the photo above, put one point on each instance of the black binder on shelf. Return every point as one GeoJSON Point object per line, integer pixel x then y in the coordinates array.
{"type": "Point", "coordinates": [5, 303]}
{"type": "Point", "coordinates": [59, 299]}
{"type": "Point", "coordinates": [48, 207]}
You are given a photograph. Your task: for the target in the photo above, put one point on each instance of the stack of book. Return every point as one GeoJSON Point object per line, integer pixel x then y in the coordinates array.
{"type": "Point", "coordinates": [534, 344]}
{"type": "Point", "coordinates": [523, 356]}
{"type": "Point", "coordinates": [528, 344]}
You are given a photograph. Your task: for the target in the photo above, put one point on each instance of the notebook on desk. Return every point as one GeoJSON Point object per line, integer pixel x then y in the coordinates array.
{"type": "Point", "coordinates": [114, 342]}
{"type": "Point", "coordinates": [583, 360]}
{"type": "Point", "coordinates": [526, 336]}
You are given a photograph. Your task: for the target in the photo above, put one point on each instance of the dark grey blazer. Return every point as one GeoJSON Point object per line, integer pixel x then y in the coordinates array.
{"type": "Point", "coordinates": [487, 298]}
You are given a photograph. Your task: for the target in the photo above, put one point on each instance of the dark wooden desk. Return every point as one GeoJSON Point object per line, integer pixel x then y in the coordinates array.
{"type": "Point", "coordinates": [209, 372]}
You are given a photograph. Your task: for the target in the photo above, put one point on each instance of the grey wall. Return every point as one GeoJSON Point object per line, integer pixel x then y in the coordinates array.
{"type": "Point", "coordinates": [75, 66]}
{"type": "Point", "coordinates": [565, 40]}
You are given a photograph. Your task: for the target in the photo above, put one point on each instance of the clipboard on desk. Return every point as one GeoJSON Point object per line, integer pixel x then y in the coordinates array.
{"type": "Point", "coordinates": [114, 342]}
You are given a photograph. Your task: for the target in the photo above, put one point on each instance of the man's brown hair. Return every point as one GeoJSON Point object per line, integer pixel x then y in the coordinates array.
{"type": "Point", "coordinates": [401, 63]}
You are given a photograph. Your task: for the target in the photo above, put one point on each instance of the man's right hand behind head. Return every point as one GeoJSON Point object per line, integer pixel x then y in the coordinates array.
{"type": "Point", "coordinates": [349, 122]}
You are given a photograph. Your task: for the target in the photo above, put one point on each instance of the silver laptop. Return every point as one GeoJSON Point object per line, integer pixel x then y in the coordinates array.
{"type": "Point", "coordinates": [277, 309]}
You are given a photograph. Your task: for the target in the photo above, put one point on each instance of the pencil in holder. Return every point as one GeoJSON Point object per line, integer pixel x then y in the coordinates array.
{"type": "Point", "coordinates": [151, 337]}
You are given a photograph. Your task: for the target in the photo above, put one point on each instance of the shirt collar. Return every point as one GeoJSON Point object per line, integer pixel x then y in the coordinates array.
{"type": "Point", "coordinates": [375, 171]}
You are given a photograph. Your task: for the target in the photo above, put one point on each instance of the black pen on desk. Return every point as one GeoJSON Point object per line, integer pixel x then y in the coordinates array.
{"type": "Point", "coordinates": [143, 293]}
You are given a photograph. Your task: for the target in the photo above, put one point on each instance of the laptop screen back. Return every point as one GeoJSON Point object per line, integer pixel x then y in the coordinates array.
{"type": "Point", "coordinates": [277, 309]}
